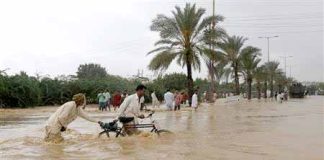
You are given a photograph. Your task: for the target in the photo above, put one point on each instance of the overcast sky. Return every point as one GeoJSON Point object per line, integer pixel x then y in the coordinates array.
{"type": "Point", "coordinates": [54, 37]}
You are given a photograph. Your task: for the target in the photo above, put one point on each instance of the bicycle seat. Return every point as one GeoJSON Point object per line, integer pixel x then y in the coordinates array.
{"type": "Point", "coordinates": [125, 119]}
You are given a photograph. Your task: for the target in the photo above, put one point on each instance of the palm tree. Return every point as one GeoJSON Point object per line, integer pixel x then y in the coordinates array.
{"type": "Point", "coordinates": [249, 63]}
{"type": "Point", "coordinates": [215, 64]}
{"type": "Point", "coordinates": [181, 36]}
{"type": "Point", "coordinates": [272, 70]}
{"type": "Point", "coordinates": [280, 80]}
{"type": "Point", "coordinates": [259, 76]}
{"type": "Point", "coordinates": [232, 48]}
{"type": "Point", "coordinates": [221, 71]}
{"type": "Point", "coordinates": [212, 37]}
{"type": "Point", "coordinates": [227, 74]}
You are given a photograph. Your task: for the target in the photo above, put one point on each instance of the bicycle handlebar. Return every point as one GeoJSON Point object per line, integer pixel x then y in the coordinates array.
{"type": "Point", "coordinates": [151, 114]}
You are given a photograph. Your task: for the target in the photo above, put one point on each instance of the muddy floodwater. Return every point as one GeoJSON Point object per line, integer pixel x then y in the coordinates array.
{"type": "Point", "coordinates": [234, 130]}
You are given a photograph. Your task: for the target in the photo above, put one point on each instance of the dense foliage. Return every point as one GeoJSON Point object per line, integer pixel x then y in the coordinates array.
{"type": "Point", "coordinates": [91, 71]}
{"type": "Point", "coordinates": [22, 90]}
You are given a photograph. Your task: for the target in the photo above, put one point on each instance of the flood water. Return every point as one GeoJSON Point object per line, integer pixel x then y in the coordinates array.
{"type": "Point", "coordinates": [235, 130]}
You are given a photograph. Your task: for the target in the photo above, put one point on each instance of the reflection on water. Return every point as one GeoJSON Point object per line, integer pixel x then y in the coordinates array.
{"type": "Point", "coordinates": [244, 130]}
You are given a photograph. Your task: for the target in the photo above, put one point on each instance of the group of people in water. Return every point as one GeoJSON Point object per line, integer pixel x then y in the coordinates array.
{"type": "Point", "coordinates": [172, 100]}
{"type": "Point", "coordinates": [129, 108]}
{"type": "Point", "coordinates": [106, 100]}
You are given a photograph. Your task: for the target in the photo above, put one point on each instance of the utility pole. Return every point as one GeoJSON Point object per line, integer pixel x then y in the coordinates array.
{"type": "Point", "coordinates": [265, 84]}
{"type": "Point", "coordinates": [268, 40]}
{"type": "Point", "coordinates": [213, 7]}
{"type": "Point", "coordinates": [285, 61]}
{"type": "Point", "coordinates": [212, 88]}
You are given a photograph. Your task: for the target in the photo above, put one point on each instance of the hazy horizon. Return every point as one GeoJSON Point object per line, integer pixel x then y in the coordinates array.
{"type": "Point", "coordinates": [55, 37]}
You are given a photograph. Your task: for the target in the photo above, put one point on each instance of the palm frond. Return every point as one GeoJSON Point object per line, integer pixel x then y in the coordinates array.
{"type": "Point", "coordinates": [161, 61]}
{"type": "Point", "coordinates": [159, 49]}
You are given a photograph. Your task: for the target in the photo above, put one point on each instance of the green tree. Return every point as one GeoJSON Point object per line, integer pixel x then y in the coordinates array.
{"type": "Point", "coordinates": [272, 70]}
{"type": "Point", "coordinates": [249, 63]}
{"type": "Point", "coordinates": [280, 80]}
{"type": "Point", "coordinates": [232, 48]}
{"type": "Point", "coordinates": [180, 40]}
{"type": "Point", "coordinates": [51, 91]}
{"type": "Point", "coordinates": [22, 91]}
{"type": "Point", "coordinates": [259, 76]}
{"type": "Point", "coordinates": [202, 84]}
{"type": "Point", "coordinates": [174, 81]}
{"type": "Point", "coordinates": [220, 71]}
{"type": "Point", "coordinates": [3, 89]}
{"type": "Point", "coordinates": [212, 37]}
{"type": "Point", "coordinates": [91, 71]}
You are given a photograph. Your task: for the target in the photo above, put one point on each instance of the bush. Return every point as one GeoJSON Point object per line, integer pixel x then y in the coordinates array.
{"type": "Point", "coordinates": [52, 91]}
{"type": "Point", "coordinates": [21, 91]}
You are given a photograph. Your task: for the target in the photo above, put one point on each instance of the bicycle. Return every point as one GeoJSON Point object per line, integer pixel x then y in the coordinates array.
{"type": "Point", "coordinates": [120, 131]}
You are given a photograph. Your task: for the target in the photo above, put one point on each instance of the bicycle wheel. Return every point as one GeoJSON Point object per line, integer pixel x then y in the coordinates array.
{"type": "Point", "coordinates": [120, 134]}
{"type": "Point", "coordinates": [163, 132]}
{"type": "Point", "coordinates": [104, 132]}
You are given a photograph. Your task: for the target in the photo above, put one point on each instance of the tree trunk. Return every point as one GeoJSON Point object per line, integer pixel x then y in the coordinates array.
{"type": "Point", "coordinates": [258, 87]}
{"type": "Point", "coordinates": [280, 87]}
{"type": "Point", "coordinates": [189, 80]}
{"type": "Point", "coordinates": [249, 83]}
{"type": "Point", "coordinates": [271, 88]}
{"type": "Point", "coordinates": [236, 80]}
{"type": "Point", "coordinates": [265, 89]}
{"type": "Point", "coordinates": [210, 96]}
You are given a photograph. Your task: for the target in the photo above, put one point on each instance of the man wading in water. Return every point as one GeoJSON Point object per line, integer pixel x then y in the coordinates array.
{"type": "Point", "coordinates": [64, 115]}
{"type": "Point", "coordinates": [129, 110]}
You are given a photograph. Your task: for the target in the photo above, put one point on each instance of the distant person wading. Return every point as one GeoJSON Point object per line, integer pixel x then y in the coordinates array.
{"type": "Point", "coordinates": [169, 99]}
{"type": "Point", "coordinates": [102, 101]}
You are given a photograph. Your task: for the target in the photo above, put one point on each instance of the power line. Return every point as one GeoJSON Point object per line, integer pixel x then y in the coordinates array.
{"type": "Point", "coordinates": [237, 4]}
{"type": "Point", "coordinates": [284, 32]}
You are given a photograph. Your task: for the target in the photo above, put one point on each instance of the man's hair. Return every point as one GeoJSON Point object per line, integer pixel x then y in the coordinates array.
{"type": "Point", "coordinates": [168, 90]}
{"type": "Point", "coordinates": [79, 98]}
{"type": "Point", "coordinates": [140, 87]}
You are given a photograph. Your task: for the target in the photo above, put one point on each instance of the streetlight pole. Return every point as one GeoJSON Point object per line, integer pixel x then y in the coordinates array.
{"type": "Point", "coordinates": [268, 40]}
{"type": "Point", "coordinates": [285, 61]}
{"type": "Point", "coordinates": [290, 71]}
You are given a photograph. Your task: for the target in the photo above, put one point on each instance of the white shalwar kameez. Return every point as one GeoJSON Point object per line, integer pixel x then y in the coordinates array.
{"type": "Point", "coordinates": [155, 101]}
{"type": "Point", "coordinates": [62, 117]}
{"type": "Point", "coordinates": [130, 108]}
{"type": "Point", "coordinates": [194, 101]}
{"type": "Point", "coordinates": [169, 99]}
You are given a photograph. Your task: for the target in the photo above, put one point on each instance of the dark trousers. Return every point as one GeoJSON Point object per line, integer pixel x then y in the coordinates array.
{"type": "Point", "coordinates": [108, 105]}
{"type": "Point", "coordinates": [177, 107]}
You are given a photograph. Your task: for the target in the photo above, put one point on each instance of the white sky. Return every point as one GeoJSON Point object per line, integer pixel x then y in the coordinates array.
{"type": "Point", "coordinates": [54, 37]}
